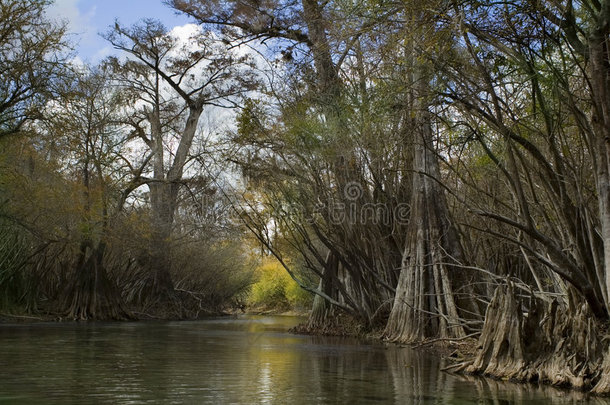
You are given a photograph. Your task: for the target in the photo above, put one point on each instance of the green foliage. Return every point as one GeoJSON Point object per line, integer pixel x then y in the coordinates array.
{"type": "Point", "coordinates": [248, 121]}
{"type": "Point", "coordinates": [298, 298]}
{"type": "Point", "coordinates": [33, 53]}
{"type": "Point", "coordinates": [276, 290]}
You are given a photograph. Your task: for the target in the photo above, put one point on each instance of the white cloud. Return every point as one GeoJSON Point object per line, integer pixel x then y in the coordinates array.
{"type": "Point", "coordinates": [185, 32]}
{"type": "Point", "coordinates": [79, 23]}
{"type": "Point", "coordinates": [102, 53]}
{"type": "Point", "coordinates": [64, 10]}
{"type": "Point", "coordinates": [67, 10]}
{"type": "Point", "coordinates": [78, 62]}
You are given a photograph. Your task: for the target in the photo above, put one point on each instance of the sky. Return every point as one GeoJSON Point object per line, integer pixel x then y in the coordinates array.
{"type": "Point", "coordinates": [88, 18]}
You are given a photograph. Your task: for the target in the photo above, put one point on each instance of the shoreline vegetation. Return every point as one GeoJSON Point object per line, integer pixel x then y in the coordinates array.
{"type": "Point", "coordinates": [424, 172]}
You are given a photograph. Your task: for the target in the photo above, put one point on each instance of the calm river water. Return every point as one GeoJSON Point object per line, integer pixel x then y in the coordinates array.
{"type": "Point", "coordinates": [245, 360]}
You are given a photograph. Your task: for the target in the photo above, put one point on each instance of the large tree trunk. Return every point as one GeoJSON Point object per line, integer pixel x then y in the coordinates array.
{"type": "Point", "coordinates": [329, 99]}
{"type": "Point", "coordinates": [425, 303]}
{"type": "Point", "coordinates": [554, 343]}
{"type": "Point", "coordinates": [92, 295]}
{"type": "Point", "coordinates": [156, 287]}
{"type": "Point", "coordinates": [599, 58]}
{"type": "Point", "coordinates": [322, 317]}
{"type": "Point", "coordinates": [328, 78]}
{"type": "Point", "coordinates": [163, 208]}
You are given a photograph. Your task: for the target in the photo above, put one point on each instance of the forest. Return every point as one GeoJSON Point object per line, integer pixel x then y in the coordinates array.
{"type": "Point", "coordinates": [429, 172]}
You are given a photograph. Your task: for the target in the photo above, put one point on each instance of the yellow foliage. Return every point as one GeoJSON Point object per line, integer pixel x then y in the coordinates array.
{"type": "Point", "coordinates": [275, 289]}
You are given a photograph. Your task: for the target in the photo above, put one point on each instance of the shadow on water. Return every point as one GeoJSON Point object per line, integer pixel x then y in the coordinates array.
{"type": "Point", "coordinates": [247, 360]}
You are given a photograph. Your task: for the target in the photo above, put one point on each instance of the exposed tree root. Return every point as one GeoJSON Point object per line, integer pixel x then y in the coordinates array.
{"type": "Point", "coordinates": [337, 323]}
{"type": "Point", "coordinates": [323, 317]}
{"type": "Point", "coordinates": [553, 344]}
{"type": "Point", "coordinates": [152, 295]}
{"type": "Point", "coordinates": [91, 294]}
{"type": "Point", "coordinates": [322, 314]}
{"type": "Point", "coordinates": [426, 304]}
{"type": "Point", "coordinates": [602, 386]}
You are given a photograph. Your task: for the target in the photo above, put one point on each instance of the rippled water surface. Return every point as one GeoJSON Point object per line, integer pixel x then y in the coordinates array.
{"type": "Point", "coordinates": [245, 360]}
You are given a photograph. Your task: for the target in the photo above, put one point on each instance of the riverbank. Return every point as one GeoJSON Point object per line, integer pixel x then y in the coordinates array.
{"type": "Point", "coordinates": [15, 318]}
{"type": "Point", "coordinates": [28, 317]}
{"type": "Point", "coordinates": [35, 317]}
{"type": "Point", "coordinates": [275, 312]}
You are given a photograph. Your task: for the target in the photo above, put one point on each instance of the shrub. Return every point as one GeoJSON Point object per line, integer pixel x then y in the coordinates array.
{"type": "Point", "coordinates": [299, 298]}
{"type": "Point", "coordinates": [276, 290]}
{"type": "Point", "coordinates": [219, 274]}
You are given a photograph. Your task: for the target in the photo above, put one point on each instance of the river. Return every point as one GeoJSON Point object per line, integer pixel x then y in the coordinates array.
{"type": "Point", "coordinates": [244, 360]}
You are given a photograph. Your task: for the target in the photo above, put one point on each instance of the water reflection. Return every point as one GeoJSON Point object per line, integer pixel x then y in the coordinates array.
{"type": "Point", "coordinates": [231, 361]}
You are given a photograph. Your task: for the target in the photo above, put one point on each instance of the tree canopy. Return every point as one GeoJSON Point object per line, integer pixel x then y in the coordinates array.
{"type": "Point", "coordinates": [431, 172]}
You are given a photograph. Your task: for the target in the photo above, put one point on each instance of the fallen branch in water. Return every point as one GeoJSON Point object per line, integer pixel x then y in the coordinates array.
{"type": "Point", "coordinates": [459, 366]}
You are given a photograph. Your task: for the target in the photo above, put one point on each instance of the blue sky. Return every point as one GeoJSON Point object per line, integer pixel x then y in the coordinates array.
{"type": "Point", "coordinates": [87, 18]}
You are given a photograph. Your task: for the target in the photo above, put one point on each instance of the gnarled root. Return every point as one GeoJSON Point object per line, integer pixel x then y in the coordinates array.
{"type": "Point", "coordinates": [501, 353]}
{"type": "Point", "coordinates": [553, 344]}
{"type": "Point", "coordinates": [602, 386]}
{"type": "Point", "coordinates": [91, 295]}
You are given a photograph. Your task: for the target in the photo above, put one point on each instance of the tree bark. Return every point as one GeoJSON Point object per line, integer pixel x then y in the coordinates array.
{"type": "Point", "coordinates": [158, 286]}
{"type": "Point", "coordinates": [553, 343]}
{"type": "Point", "coordinates": [322, 312]}
{"type": "Point", "coordinates": [91, 295]}
{"type": "Point", "coordinates": [599, 54]}
{"type": "Point", "coordinates": [425, 303]}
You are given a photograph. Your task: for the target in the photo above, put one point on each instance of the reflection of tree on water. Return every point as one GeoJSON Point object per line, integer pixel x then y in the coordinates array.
{"type": "Point", "coordinates": [416, 378]}
{"type": "Point", "coordinates": [497, 392]}
{"type": "Point", "coordinates": [342, 370]}
{"type": "Point", "coordinates": [241, 361]}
